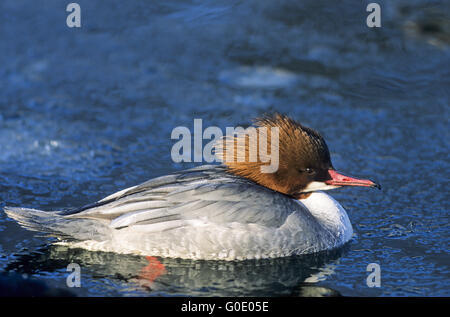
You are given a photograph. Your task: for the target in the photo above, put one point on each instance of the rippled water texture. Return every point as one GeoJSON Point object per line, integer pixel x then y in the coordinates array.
{"type": "Point", "coordinates": [86, 112]}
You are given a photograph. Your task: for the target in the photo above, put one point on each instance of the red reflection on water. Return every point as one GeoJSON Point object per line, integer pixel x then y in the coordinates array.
{"type": "Point", "coordinates": [153, 269]}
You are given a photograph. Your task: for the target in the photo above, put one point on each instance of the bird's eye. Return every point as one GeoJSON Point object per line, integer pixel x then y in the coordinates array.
{"type": "Point", "coordinates": [308, 171]}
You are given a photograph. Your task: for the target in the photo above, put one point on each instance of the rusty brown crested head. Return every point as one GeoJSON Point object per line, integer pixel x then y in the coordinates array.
{"type": "Point", "coordinates": [303, 159]}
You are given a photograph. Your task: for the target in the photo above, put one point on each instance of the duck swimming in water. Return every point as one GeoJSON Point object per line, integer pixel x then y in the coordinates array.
{"type": "Point", "coordinates": [231, 211]}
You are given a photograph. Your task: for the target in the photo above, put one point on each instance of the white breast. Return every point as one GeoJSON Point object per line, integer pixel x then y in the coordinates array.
{"type": "Point", "coordinates": [330, 214]}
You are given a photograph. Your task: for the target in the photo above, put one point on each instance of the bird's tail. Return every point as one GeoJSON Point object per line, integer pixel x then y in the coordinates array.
{"type": "Point", "coordinates": [60, 226]}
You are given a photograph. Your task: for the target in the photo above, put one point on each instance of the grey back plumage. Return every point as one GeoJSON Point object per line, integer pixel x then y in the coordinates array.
{"type": "Point", "coordinates": [206, 191]}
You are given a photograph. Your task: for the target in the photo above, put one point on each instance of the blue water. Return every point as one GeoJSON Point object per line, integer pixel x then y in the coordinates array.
{"type": "Point", "coordinates": [86, 112]}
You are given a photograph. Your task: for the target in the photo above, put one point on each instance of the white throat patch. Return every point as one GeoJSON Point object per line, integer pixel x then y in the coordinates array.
{"type": "Point", "coordinates": [315, 186]}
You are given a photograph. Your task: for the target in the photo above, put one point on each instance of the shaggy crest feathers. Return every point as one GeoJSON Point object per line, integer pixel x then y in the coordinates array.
{"type": "Point", "coordinates": [294, 147]}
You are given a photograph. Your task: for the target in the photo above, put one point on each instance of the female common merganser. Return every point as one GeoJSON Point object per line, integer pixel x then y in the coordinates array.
{"type": "Point", "coordinates": [231, 211]}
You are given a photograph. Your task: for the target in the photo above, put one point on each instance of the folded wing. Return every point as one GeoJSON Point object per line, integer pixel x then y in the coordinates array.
{"type": "Point", "coordinates": [207, 192]}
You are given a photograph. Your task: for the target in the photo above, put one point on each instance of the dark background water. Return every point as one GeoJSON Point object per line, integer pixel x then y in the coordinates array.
{"type": "Point", "coordinates": [86, 112]}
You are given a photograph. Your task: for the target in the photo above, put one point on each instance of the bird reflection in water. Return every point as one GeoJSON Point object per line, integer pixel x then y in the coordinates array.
{"type": "Point", "coordinates": [154, 276]}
